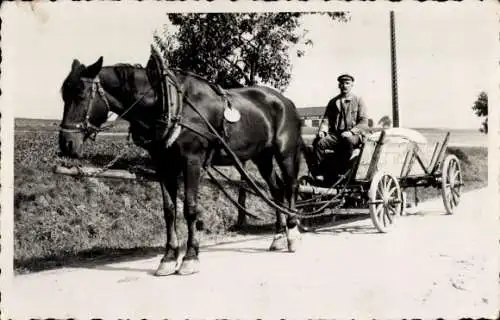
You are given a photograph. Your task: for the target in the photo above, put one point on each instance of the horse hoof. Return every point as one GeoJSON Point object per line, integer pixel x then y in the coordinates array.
{"type": "Point", "coordinates": [166, 268]}
{"type": "Point", "coordinates": [293, 238]}
{"type": "Point", "coordinates": [189, 266]}
{"type": "Point", "coordinates": [278, 243]}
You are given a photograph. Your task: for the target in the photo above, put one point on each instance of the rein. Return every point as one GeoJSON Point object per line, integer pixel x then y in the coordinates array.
{"type": "Point", "coordinates": [91, 130]}
{"type": "Point", "coordinates": [253, 184]}
{"type": "Point", "coordinates": [173, 128]}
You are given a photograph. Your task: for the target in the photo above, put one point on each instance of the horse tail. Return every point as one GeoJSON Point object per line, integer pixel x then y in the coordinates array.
{"type": "Point", "coordinates": [302, 144]}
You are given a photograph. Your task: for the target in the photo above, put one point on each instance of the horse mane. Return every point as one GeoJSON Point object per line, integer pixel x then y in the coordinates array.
{"type": "Point", "coordinates": [127, 72]}
{"type": "Point", "coordinates": [123, 70]}
{"type": "Point", "coordinates": [208, 82]}
{"type": "Point", "coordinates": [128, 65]}
{"type": "Point", "coordinates": [192, 74]}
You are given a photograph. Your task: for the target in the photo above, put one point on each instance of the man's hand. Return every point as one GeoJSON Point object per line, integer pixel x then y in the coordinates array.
{"type": "Point", "coordinates": [346, 134]}
{"type": "Point", "coordinates": [322, 134]}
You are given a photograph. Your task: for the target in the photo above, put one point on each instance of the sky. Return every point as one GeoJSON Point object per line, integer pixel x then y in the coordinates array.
{"type": "Point", "coordinates": [445, 57]}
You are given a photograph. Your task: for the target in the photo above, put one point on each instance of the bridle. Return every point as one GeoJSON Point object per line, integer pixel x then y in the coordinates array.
{"type": "Point", "coordinates": [86, 127]}
{"type": "Point", "coordinates": [171, 118]}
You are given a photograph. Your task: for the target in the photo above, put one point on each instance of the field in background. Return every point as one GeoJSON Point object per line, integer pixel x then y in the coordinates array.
{"type": "Point", "coordinates": [468, 137]}
{"type": "Point", "coordinates": [462, 137]}
{"type": "Point", "coordinates": [22, 125]}
{"type": "Point", "coordinates": [60, 218]}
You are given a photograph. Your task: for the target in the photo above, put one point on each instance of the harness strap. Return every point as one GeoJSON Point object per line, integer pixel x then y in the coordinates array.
{"type": "Point", "coordinates": [240, 168]}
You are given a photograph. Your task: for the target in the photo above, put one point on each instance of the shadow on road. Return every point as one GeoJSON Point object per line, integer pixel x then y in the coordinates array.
{"type": "Point", "coordinates": [340, 224]}
{"type": "Point", "coordinates": [86, 259]}
{"type": "Point", "coordinates": [428, 212]}
{"type": "Point", "coordinates": [239, 250]}
{"type": "Point", "coordinates": [150, 271]}
{"type": "Point", "coordinates": [255, 229]}
{"type": "Point", "coordinates": [100, 258]}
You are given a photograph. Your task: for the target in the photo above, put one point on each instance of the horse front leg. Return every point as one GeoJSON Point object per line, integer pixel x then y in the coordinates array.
{"type": "Point", "coordinates": [278, 242]}
{"type": "Point", "coordinates": [169, 263]}
{"type": "Point", "coordinates": [192, 175]}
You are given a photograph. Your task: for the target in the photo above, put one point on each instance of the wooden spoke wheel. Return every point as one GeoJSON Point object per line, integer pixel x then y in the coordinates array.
{"type": "Point", "coordinates": [385, 201]}
{"type": "Point", "coordinates": [451, 182]}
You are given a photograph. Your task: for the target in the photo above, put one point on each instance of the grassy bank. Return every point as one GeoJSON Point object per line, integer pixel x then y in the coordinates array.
{"type": "Point", "coordinates": [59, 219]}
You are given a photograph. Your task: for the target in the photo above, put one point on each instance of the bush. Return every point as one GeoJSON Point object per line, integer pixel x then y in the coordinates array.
{"type": "Point", "coordinates": [61, 216]}
{"type": "Point", "coordinates": [474, 164]}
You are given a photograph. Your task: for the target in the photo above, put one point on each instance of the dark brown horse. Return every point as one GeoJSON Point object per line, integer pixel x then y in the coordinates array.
{"type": "Point", "coordinates": [269, 128]}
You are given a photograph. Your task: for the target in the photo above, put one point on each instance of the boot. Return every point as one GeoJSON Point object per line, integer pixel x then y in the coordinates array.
{"type": "Point", "coordinates": [311, 161]}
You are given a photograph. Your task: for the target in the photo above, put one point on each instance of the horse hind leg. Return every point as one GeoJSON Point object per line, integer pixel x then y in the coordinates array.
{"type": "Point", "coordinates": [279, 242]}
{"type": "Point", "coordinates": [242, 216]}
{"type": "Point", "coordinates": [289, 166]}
{"type": "Point", "coordinates": [264, 163]}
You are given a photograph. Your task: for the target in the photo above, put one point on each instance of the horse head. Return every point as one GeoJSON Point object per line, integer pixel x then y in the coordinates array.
{"type": "Point", "coordinates": [85, 107]}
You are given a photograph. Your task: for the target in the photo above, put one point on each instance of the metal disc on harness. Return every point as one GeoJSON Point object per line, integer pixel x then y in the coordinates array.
{"type": "Point", "coordinates": [231, 114]}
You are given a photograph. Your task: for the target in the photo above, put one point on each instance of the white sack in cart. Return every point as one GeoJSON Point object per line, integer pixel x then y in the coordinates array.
{"type": "Point", "coordinates": [399, 135]}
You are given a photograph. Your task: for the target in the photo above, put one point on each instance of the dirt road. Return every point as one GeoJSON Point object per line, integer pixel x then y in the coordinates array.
{"type": "Point", "coordinates": [431, 265]}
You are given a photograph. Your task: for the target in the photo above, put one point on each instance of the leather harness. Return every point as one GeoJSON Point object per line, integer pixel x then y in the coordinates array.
{"type": "Point", "coordinates": [171, 99]}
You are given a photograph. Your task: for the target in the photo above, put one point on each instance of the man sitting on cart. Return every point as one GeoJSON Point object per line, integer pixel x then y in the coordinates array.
{"type": "Point", "coordinates": [341, 129]}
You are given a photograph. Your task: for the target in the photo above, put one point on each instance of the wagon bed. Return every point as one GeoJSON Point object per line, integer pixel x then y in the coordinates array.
{"type": "Point", "coordinates": [389, 162]}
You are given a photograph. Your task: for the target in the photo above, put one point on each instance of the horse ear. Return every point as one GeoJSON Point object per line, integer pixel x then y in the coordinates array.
{"type": "Point", "coordinates": [75, 64]}
{"type": "Point", "coordinates": [93, 70]}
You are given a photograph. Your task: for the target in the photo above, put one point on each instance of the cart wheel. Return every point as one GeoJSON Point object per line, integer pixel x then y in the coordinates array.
{"type": "Point", "coordinates": [385, 201]}
{"type": "Point", "coordinates": [451, 182]}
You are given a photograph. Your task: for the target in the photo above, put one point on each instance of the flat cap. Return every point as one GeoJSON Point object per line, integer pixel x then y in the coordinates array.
{"type": "Point", "coordinates": [345, 77]}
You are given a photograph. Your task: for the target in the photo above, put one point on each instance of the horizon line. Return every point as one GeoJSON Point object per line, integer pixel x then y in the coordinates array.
{"type": "Point", "coordinates": [410, 127]}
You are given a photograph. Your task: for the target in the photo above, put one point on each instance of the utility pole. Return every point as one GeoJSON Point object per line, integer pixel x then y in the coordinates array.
{"type": "Point", "coordinates": [395, 103]}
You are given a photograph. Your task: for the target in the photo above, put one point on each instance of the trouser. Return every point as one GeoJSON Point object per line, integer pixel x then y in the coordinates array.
{"type": "Point", "coordinates": [342, 147]}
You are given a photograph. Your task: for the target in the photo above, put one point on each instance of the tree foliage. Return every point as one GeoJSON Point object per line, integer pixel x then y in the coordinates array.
{"type": "Point", "coordinates": [237, 49]}
{"type": "Point", "coordinates": [370, 123]}
{"type": "Point", "coordinates": [480, 108]}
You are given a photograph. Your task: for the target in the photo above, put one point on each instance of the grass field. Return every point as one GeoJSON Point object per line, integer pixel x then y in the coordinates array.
{"type": "Point", "coordinates": [470, 137]}
{"type": "Point", "coordinates": [22, 125]}
{"type": "Point", "coordinates": [60, 218]}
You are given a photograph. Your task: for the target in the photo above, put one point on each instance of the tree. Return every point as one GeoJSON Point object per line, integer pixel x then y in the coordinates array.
{"type": "Point", "coordinates": [480, 108]}
{"type": "Point", "coordinates": [370, 123]}
{"type": "Point", "coordinates": [237, 49]}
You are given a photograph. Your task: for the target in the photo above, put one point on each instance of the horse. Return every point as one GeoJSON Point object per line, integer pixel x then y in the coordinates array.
{"type": "Point", "coordinates": [269, 129]}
